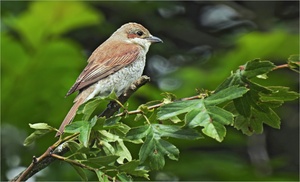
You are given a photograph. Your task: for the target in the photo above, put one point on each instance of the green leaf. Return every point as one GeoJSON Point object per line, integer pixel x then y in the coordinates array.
{"type": "Point", "coordinates": [76, 150]}
{"type": "Point", "coordinates": [101, 176]}
{"type": "Point", "coordinates": [294, 63]}
{"type": "Point", "coordinates": [242, 123]}
{"type": "Point", "coordinates": [102, 160]}
{"type": "Point", "coordinates": [41, 126]}
{"type": "Point", "coordinates": [133, 169]}
{"type": "Point", "coordinates": [123, 152]}
{"type": "Point", "coordinates": [197, 117]}
{"type": "Point", "coordinates": [124, 178]}
{"type": "Point", "coordinates": [129, 166]}
{"type": "Point", "coordinates": [34, 136]}
{"type": "Point", "coordinates": [108, 148]}
{"type": "Point", "coordinates": [138, 132]}
{"type": "Point", "coordinates": [243, 106]}
{"type": "Point", "coordinates": [212, 118]}
{"type": "Point", "coordinates": [154, 149]}
{"type": "Point", "coordinates": [157, 160]}
{"type": "Point", "coordinates": [175, 132]}
{"type": "Point", "coordinates": [169, 149]}
{"type": "Point", "coordinates": [233, 80]}
{"type": "Point", "coordinates": [280, 94]}
{"type": "Point", "coordinates": [88, 108]}
{"type": "Point", "coordinates": [257, 67]}
{"type": "Point", "coordinates": [173, 109]}
{"type": "Point", "coordinates": [82, 127]}
{"type": "Point", "coordinates": [147, 148]}
{"type": "Point", "coordinates": [215, 130]}
{"type": "Point", "coordinates": [258, 88]}
{"type": "Point", "coordinates": [226, 94]}
{"type": "Point", "coordinates": [220, 115]}
{"type": "Point", "coordinates": [270, 118]}
{"type": "Point", "coordinates": [80, 172]}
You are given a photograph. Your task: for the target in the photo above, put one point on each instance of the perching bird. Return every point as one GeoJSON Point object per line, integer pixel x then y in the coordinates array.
{"type": "Point", "coordinates": [113, 66]}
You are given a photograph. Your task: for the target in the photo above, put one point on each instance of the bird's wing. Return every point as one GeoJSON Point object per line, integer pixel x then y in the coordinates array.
{"type": "Point", "coordinates": [102, 64]}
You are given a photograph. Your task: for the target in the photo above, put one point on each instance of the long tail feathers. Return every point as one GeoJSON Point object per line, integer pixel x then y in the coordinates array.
{"type": "Point", "coordinates": [70, 116]}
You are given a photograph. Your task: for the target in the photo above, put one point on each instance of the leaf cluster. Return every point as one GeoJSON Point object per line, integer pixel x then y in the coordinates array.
{"type": "Point", "coordinates": [238, 102]}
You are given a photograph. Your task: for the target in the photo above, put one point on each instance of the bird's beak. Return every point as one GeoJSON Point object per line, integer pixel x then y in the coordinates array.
{"type": "Point", "coordinates": [154, 39]}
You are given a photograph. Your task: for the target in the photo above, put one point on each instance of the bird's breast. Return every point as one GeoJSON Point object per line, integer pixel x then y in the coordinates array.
{"type": "Point", "coordinates": [120, 80]}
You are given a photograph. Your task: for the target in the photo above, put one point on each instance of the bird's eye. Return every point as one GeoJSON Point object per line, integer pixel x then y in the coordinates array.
{"type": "Point", "coordinates": [139, 33]}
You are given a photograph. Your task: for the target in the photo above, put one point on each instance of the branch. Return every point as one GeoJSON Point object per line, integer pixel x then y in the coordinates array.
{"type": "Point", "coordinates": [59, 149]}
{"type": "Point", "coordinates": [284, 66]}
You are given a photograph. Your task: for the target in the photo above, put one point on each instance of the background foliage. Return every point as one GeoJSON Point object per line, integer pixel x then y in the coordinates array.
{"type": "Point", "coordinates": [45, 46]}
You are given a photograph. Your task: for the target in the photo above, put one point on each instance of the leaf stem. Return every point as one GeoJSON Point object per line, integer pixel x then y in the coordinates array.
{"type": "Point", "coordinates": [283, 66]}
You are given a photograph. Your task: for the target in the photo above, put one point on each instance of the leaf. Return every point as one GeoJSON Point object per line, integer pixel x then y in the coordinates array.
{"type": "Point", "coordinates": [102, 160]}
{"type": "Point", "coordinates": [154, 149]}
{"type": "Point", "coordinates": [197, 117]}
{"type": "Point", "coordinates": [220, 115]}
{"type": "Point", "coordinates": [138, 132]}
{"type": "Point", "coordinates": [242, 123]}
{"type": "Point", "coordinates": [258, 88]}
{"type": "Point", "coordinates": [122, 152]}
{"type": "Point", "coordinates": [124, 178]}
{"type": "Point", "coordinates": [41, 126]}
{"type": "Point", "coordinates": [294, 63]}
{"type": "Point", "coordinates": [215, 130]}
{"type": "Point", "coordinates": [233, 80]}
{"type": "Point", "coordinates": [80, 172]}
{"type": "Point", "coordinates": [88, 108]}
{"type": "Point", "coordinates": [168, 97]}
{"type": "Point", "coordinates": [173, 109]}
{"type": "Point", "coordinates": [280, 94]}
{"type": "Point", "coordinates": [270, 118]}
{"type": "Point", "coordinates": [257, 67]}
{"type": "Point", "coordinates": [157, 160]}
{"type": "Point", "coordinates": [242, 106]}
{"type": "Point", "coordinates": [212, 118]}
{"type": "Point", "coordinates": [133, 169]}
{"type": "Point", "coordinates": [34, 136]}
{"type": "Point", "coordinates": [147, 148]}
{"type": "Point", "coordinates": [175, 132]}
{"type": "Point", "coordinates": [129, 166]}
{"type": "Point", "coordinates": [76, 150]}
{"type": "Point", "coordinates": [101, 176]}
{"type": "Point", "coordinates": [226, 94]}
{"type": "Point", "coordinates": [169, 149]}
{"type": "Point", "coordinates": [82, 127]}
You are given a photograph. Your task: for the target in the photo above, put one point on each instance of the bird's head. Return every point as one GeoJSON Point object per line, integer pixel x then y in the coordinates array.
{"type": "Point", "coordinates": [137, 34]}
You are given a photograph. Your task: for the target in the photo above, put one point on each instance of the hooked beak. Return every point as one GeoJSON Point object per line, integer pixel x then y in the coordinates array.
{"type": "Point", "coordinates": [154, 39]}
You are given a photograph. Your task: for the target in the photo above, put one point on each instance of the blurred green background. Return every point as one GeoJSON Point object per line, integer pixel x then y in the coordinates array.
{"type": "Point", "coordinates": [45, 45]}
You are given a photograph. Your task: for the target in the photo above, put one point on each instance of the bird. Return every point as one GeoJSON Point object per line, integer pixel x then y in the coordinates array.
{"type": "Point", "coordinates": [113, 66]}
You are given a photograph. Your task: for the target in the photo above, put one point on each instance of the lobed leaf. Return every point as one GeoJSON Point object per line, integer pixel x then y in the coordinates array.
{"type": "Point", "coordinates": [175, 132]}
{"type": "Point", "coordinates": [280, 94]}
{"type": "Point", "coordinates": [82, 127]}
{"type": "Point", "coordinates": [176, 108]}
{"type": "Point", "coordinates": [226, 94]}
{"type": "Point", "coordinates": [138, 132]}
{"type": "Point", "coordinates": [257, 67]}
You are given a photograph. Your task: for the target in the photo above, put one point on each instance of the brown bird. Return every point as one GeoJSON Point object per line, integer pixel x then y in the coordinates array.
{"type": "Point", "coordinates": [113, 66]}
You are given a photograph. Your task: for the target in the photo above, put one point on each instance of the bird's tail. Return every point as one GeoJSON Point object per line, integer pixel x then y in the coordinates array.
{"type": "Point", "coordinates": [70, 116]}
